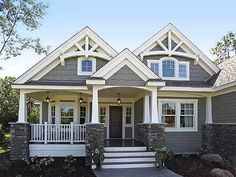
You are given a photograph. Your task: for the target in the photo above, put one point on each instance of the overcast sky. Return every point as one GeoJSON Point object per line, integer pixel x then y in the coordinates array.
{"type": "Point", "coordinates": [128, 23]}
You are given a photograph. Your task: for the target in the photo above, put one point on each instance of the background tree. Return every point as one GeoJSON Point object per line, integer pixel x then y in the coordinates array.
{"type": "Point", "coordinates": [16, 16]}
{"type": "Point", "coordinates": [225, 48]}
{"type": "Point", "coordinates": [9, 104]}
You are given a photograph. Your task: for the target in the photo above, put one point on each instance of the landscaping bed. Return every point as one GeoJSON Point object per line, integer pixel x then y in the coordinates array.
{"type": "Point", "coordinates": [55, 169]}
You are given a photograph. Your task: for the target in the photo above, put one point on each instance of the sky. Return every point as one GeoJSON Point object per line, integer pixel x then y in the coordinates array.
{"type": "Point", "coordinates": [127, 24]}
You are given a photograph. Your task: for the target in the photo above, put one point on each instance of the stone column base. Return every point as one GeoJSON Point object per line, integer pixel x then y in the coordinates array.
{"type": "Point", "coordinates": [152, 135]}
{"type": "Point", "coordinates": [20, 137]}
{"type": "Point", "coordinates": [94, 138]}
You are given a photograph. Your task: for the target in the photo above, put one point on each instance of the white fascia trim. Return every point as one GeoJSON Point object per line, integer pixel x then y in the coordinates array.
{"type": "Point", "coordinates": [63, 47]}
{"type": "Point", "coordinates": [156, 83]}
{"type": "Point", "coordinates": [170, 53]}
{"type": "Point", "coordinates": [95, 82]}
{"type": "Point", "coordinates": [187, 89]}
{"type": "Point", "coordinates": [49, 87]}
{"type": "Point", "coordinates": [125, 55]}
{"type": "Point", "coordinates": [171, 27]}
{"type": "Point", "coordinates": [84, 53]}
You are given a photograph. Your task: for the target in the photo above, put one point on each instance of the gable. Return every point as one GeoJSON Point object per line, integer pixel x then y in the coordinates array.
{"type": "Point", "coordinates": [125, 58]}
{"type": "Point", "coordinates": [85, 43]}
{"type": "Point", "coordinates": [171, 42]}
{"type": "Point", "coordinates": [125, 77]}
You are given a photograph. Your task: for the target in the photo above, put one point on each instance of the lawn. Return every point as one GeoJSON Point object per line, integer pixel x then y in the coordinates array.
{"type": "Point", "coordinates": [5, 146]}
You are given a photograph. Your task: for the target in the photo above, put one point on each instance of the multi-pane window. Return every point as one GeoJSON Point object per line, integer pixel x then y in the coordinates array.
{"type": "Point", "coordinates": [103, 114]}
{"type": "Point", "coordinates": [53, 114]}
{"type": "Point", "coordinates": [179, 114]}
{"type": "Point", "coordinates": [169, 114]}
{"type": "Point", "coordinates": [128, 116]}
{"type": "Point", "coordinates": [186, 115]}
{"type": "Point", "coordinates": [82, 114]}
{"type": "Point", "coordinates": [155, 68]}
{"type": "Point", "coordinates": [67, 113]}
{"type": "Point", "coordinates": [168, 68]}
{"type": "Point", "coordinates": [87, 66]}
{"type": "Point", "coordinates": [183, 70]}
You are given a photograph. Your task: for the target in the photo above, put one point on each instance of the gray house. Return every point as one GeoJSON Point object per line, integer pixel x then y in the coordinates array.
{"type": "Point", "coordinates": [164, 93]}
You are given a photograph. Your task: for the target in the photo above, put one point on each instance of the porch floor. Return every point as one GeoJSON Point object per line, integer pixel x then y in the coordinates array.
{"type": "Point", "coordinates": [122, 143]}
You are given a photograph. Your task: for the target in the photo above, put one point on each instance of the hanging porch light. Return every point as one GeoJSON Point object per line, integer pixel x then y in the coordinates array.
{"type": "Point", "coordinates": [47, 98]}
{"type": "Point", "coordinates": [81, 100]}
{"type": "Point", "coordinates": [118, 99]}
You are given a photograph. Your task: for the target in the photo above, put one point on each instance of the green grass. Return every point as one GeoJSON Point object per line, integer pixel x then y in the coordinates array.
{"type": "Point", "coordinates": [4, 147]}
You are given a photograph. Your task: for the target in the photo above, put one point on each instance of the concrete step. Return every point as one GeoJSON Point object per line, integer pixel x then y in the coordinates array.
{"type": "Point", "coordinates": [129, 160]}
{"type": "Point", "coordinates": [129, 154]}
{"type": "Point", "coordinates": [127, 149]}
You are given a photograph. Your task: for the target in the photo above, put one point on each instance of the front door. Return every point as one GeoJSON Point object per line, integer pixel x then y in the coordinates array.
{"type": "Point", "coordinates": [115, 122]}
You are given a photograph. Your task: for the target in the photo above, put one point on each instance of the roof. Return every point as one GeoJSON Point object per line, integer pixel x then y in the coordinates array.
{"type": "Point", "coordinates": [227, 72]}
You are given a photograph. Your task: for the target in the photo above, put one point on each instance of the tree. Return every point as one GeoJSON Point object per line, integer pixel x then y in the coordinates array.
{"type": "Point", "coordinates": [9, 104]}
{"type": "Point", "coordinates": [16, 16]}
{"type": "Point", "coordinates": [225, 48]}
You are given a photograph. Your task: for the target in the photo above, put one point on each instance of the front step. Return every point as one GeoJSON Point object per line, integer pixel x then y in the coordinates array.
{"type": "Point", "coordinates": [127, 157]}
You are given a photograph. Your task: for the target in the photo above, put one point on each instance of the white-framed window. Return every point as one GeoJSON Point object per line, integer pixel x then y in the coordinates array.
{"type": "Point", "coordinates": [67, 113]}
{"type": "Point", "coordinates": [53, 114]}
{"type": "Point", "coordinates": [179, 114]}
{"type": "Point", "coordinates": [169, 68]}
{"type": "Point", "coordinates": [103, 115]}
{"type": "Point", "coordinates": [86, 66]}
{"type": "Point", "coordinates": [128, 115]}
{"type": "Point", "coordinates": [83, 114]}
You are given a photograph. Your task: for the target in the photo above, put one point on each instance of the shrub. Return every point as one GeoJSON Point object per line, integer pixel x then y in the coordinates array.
{"type": "Point", "coordinates": [161, 156]}
{"type": "Point", "coordinates": [39, 165]}
{"type": "Point", "coordinates": [70, 164]}
{"type": "Point", "coordinates": [2, 135]}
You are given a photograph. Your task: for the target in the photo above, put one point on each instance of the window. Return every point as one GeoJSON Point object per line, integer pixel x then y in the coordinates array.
{"type": "Point", "coordinates": [86, 66]}
{"type": "Point", "coordinates": [155, 68]}
{"type": "Point", "coordinates": [53, 114]}
{"type": "Point", "coordinates": [186, 115]}
{"type": "Point", "coordinates": [183, 70]}
{"type": "Point", "coordinates": [82, 114]}
{"type": "Point", "coordinates": [67, 113]}
{"type": "Point", "coordinates": [102, 114]}
{"type": "Point", "coordinates": [168, 68]}
{"type": "Point", "coordinates": [168, 114]}
{"type": "Point", "coordinates": [128, 116]}
{"type": "Point", "coordinates": [179, 114]}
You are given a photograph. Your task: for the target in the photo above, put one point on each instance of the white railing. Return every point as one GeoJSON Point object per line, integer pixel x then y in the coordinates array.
{"type": "Point", "coordinates": [57, 133]}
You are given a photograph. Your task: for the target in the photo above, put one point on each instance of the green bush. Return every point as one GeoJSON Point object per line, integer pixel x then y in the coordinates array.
{"type": "Point", "coordinates": [161, 156]}
{"type": "Point", "coordinates": [39, 164]}
{"type": "Point", "coordinates": [70, 164]}
{"type": "Point", "coordinates": [2, 136]}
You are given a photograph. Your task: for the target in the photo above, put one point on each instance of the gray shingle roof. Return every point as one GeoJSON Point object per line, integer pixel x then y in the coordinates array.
{"type": "Point", "coordinates": [227, 73]}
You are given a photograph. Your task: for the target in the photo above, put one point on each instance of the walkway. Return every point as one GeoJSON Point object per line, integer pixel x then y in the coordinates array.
{"type": "Point", "coordinates": [137, 172]}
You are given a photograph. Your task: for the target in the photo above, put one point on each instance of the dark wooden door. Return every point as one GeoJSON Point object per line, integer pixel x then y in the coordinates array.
{"type": "Point", "coordinates": [115, 122]}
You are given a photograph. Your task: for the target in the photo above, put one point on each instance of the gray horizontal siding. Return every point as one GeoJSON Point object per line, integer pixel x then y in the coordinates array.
{"type": "Point", "coordinates": [125, 77]}
{"type": "Point", "coordinates": [44, 112]}
{"type": "Point", "coordinates": [69, 71]}
{"type": "Point", "coordinates": [197, 73]}
{"type": "Point", "coordinates": [224, 108]}
{"type": "Point", "coordinates": [188, 142]}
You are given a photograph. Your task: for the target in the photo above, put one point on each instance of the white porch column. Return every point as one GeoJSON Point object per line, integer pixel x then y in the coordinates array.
{"type": "Point", "coordinates": [154, 110]}
{"type": "Point", "coordinates": [95, 105]}
{"type": "Point", "coordinates": [208, 110]}
{"type": "Point", "coordinates": [22, 116]}
{"type": "Point", "coordinates": [40, 112]}
{"type": "Point", "coordinates": [146, 115]}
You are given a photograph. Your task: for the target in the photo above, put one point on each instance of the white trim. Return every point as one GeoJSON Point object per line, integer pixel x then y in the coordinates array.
{"type": "Point", "coordinates": [187, 89]}
{"type": "Point", "coordinates": [178, 102]}
{"type": "Point", "coordinates": [170, 53]}
{"type": "Point", "coordinates": [176, 32]}
{"type": "Point", "coordinates": [40, 112]}
{"type": "Point", "coordinates": [146, 108]}
{"type": "Point", "coordinates": [85, 54]}
{"type": "Point", "coordinates": [95, 118]}
{"type": "Point", "coordinates": [49, 87]}
{"type": "Point", "coordinates": [125, 57]}
{"type": "Point", "coordinates": [154, 108]}
{"type": "Point", "coordinates": [155, 83]}
{"type": "Point", "coordinates": [95, 82]}
{"type": "Point", "coordinates": [79, 66]}
{"type": "Point", "coordinates": [64, 47]}
{"type": "Point", "coordinates": [22, 114]}
{"type": "Point", "coordinates": [209, 110]}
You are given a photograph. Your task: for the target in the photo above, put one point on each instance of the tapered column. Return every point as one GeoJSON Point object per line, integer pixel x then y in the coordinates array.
{"type": "Point", "coordinates": [95, 106]}
{"type": "Point", "coordinates": [208, 110]}
{"type": "Point", "coordinates": [146, 115]}
{"type": "Point", "coordinates": [22, 118]}
{"type": "Point", "coordinates": [155, 118]}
